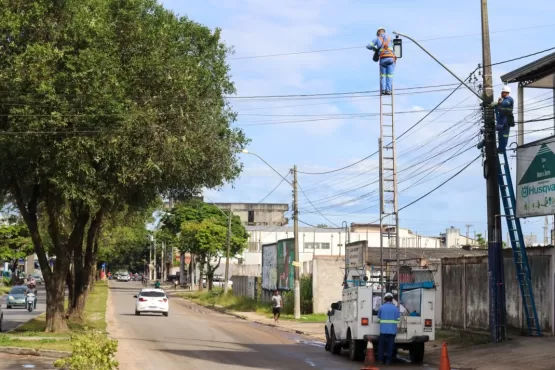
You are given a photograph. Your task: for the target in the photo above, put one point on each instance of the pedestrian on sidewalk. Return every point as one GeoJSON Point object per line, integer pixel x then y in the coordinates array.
{"type": "Point", "coordinates": [277, 303]}
{"type": "Point", "coordinates": [388, 314]}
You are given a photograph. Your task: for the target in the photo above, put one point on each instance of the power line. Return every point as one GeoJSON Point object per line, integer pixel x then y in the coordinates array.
{"type": "Point", "coordinates": [360, 47]}
{"type": "Point", "coordinates": [316, 209]}
{"type": "Point", "coordinates": [440, 185]}
{"type": "Point", "coordinates": [335, 94]}
{"type": "Point", "coordinates": [376, 152]}
{"type": "Point", "coordinates": [283, 178]}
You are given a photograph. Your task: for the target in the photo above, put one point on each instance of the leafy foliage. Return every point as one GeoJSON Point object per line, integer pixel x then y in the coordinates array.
{"type": "Point", "coordinates": [108, 104]}
{"type": "Point", "coordinates": [91, 350]}
{"type": "Point", "coordinates": [201, 229]}
{"type": "Point", "coordinates": [15, 242]}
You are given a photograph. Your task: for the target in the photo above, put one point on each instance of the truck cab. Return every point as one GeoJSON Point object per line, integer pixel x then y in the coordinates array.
{"type": "Point", "coordinates": [353, 321]}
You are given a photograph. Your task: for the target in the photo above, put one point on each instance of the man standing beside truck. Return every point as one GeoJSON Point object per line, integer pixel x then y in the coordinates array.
{"type": "Point", "coordinates": [389, 315]}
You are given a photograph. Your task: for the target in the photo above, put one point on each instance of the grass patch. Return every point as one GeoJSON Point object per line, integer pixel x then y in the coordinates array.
{"type": "Point", "coordinates": [244, 304]}
{"type": "Point", "coordinates": [95, 314]}
{"type": "Point", "coordinates": [461, 338]}
{"type": "Point", "coordinates": [51, 344]}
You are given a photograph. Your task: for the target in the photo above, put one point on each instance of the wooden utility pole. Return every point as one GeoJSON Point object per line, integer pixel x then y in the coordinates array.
{"type": "Point", "coordinates": [297, 286]}
{"type": "Point", "coordinates": [495, 256]}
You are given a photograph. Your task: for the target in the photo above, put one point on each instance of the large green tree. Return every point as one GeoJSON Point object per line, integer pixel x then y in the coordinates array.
{"type": "Point", "coordinates": [15, 242]}
{"type": "Point", "coordinates": [201, 229]}
{"type": "Point", "coordinates": [106, 104]}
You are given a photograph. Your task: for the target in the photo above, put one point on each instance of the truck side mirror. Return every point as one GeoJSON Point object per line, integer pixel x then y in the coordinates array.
{"type": "Point", "coordinates": [335, 306]}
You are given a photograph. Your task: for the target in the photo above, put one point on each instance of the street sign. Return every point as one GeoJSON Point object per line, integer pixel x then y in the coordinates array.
{"type": "Point", "coordinates": [535, 179]}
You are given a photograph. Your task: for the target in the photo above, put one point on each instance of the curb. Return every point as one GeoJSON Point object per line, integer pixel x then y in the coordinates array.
{"type": "Point", "coordinates": [231, 313]}
{"type": "Point", "coordinates": [34, 352]}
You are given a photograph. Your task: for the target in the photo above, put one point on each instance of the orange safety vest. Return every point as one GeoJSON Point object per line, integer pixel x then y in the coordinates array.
{"type": "Point", "coordinates": [386, 51]}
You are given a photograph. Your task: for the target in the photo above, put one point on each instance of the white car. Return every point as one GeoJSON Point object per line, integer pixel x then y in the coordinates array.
{"type": "Point", "coordinates": [124, 277]}
{"type": "Point", "coordinates": [152, 300]}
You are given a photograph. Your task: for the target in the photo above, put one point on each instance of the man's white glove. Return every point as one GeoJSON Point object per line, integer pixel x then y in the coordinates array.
{"type": "Point", "coordinates": [493, 104]}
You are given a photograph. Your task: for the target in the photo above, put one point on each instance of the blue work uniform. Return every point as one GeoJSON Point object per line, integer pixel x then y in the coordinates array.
{"type": "Point", "coordinates": [389, 315]}
{"type": "Point", "coordinates": [382, 44]}
{"type": "Point", "coordinates": [503, 114]}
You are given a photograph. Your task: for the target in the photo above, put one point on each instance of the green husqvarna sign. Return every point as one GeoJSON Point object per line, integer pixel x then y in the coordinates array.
{"type": "Point", "coordinates": [535, 180]}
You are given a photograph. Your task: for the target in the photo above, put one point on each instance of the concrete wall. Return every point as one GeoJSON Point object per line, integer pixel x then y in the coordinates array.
{"type": "Point", "coordinates": [246, 270]}
{"type": "Point", "coordinates": [465, 298]}
{"type": "Point", "coordinates": [244, 286]}
{"type": "Point", "coordinates": [327, 279]}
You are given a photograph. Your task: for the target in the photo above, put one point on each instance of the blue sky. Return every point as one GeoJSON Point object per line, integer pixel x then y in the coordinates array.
{"type": "Point", "coordinates": [312, 133]}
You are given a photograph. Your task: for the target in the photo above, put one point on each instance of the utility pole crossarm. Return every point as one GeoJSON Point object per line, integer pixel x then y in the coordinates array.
{"type": "Point", "coordinates": [441, 64]}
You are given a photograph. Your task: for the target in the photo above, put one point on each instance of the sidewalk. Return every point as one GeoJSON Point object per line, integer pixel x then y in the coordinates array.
{"type": "Point", "coordinates": [519, 353]}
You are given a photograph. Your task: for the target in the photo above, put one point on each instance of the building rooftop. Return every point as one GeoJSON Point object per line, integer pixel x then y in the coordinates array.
{"type": "Point", "coordinates": [426, 253]}
{"type": "Point", "coordinates": [538, 74]}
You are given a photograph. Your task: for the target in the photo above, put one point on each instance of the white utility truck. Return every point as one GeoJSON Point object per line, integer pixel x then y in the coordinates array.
{"type": "Point", "coordinates": [353, 321]}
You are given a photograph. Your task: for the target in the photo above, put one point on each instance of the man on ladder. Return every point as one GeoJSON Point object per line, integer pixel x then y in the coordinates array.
{"type": "Point", "coordinates": [504, 118]}
{"type": "Point", "coordinates": [383, 52]}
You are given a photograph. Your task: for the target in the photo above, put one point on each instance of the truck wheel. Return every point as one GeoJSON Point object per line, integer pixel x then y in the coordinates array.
{"type": "Point", "coordinates": [335, 347]}
{"type": "Point", "coordinates": [416, 353]}
{"type": "Point", "coordinates": [356, 350]}
{"type": "Point", "coordinates": [328, 341]}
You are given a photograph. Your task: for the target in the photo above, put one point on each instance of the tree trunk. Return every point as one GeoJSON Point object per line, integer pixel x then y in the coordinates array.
{"type": "Point", "coordinates": [54, 279]}
{"type": "Point", "coordinates": [55, 292]}
{"type": "Point", "coordinates": [182, 268]}
{"type": "Point", "coordinates": [84, 267]}
{"type": "Point", "coordinates": [70, 287]}
{"type": "Point", "coordinates": [210, 271]}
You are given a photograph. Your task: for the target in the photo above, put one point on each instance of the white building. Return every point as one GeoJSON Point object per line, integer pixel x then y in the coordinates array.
{"type": "Point", "coordinates": [330, 242]}
{"type": "Point", "coordinates": [452, 238]}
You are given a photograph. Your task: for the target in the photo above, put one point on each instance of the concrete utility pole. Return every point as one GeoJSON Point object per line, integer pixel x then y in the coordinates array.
{"type": "Point", "coordinates": [226, 284]}
{"type": "Point", "coordinates": [154, 267]}
{"type": "Point", "coordinates": [163, 263]}
{"type": "Point", "coordinates": [297, 287]}
{"type": "Point", "coordinates": [495, 256]}
{"type": "Point", "coordinates": [468, 226]}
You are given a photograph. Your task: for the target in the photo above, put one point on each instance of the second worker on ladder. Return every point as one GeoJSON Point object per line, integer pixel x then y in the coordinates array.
{"type": "Point", "coordinates": [504, 118]}
{"type": "Point", "coordinates": [383, 52]}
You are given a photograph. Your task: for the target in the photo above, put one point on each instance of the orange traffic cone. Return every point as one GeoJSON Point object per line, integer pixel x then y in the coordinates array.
{"type": "Point", "coordinates": [369, 359]}
{"type": "Point", "coordinates": [444, 363]}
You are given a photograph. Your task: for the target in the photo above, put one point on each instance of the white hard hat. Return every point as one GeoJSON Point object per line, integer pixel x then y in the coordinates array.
{"type": "Point", "coordinates": [506, 89]}
{"type": "Point", "coordinates": [388, 295]}
{"type": "Point", "coordinates": [380, 28]}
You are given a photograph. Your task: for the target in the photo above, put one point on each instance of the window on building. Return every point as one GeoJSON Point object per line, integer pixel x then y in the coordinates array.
{"type": "Point", "coordinates": [308, 245]}
{"type": "Point", "coordinates": [250, 217]}
{"type": "Point", "coordinates": [324, 245]}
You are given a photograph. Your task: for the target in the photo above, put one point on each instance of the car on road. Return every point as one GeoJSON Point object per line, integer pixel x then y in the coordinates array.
{"type": "Point", "coordinates": [38, 279]}
{"type": "Point", "coordinates": [124, 277]}
{"type": "Point", "coordinates": [152, 301]}
{"type": "Point", "coordinates": [16, 297]}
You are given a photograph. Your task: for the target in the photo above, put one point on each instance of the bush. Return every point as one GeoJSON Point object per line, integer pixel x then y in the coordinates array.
{"type": "Point", "coordinates": [306, 297]}
{"type": "Point", "coordinates": [92, 350]}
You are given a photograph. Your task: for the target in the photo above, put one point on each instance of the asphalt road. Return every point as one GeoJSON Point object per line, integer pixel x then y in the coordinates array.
{"type": "Point", "coordinates": [17, 316]}
{"type": "Point", "coordinates": [25, 362]}
{"type": "Point", "coordinates": [193, 337]}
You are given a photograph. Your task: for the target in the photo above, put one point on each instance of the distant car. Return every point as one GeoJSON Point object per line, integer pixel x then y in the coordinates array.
{"type": "Point", "coordinates": [124, 277]}
{"type": "Point", "coordinates": [38, 279]}
{"type": "Point", "coordinates": [219, 282]}
{"type": "Point", "coordinates": [16, 297]}
{"type": "Point", "coordinates": [152, 301]}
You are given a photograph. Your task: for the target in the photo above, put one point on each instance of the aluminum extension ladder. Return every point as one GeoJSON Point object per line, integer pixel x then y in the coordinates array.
{"type": "Point", "coordinates": [517, 244]}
